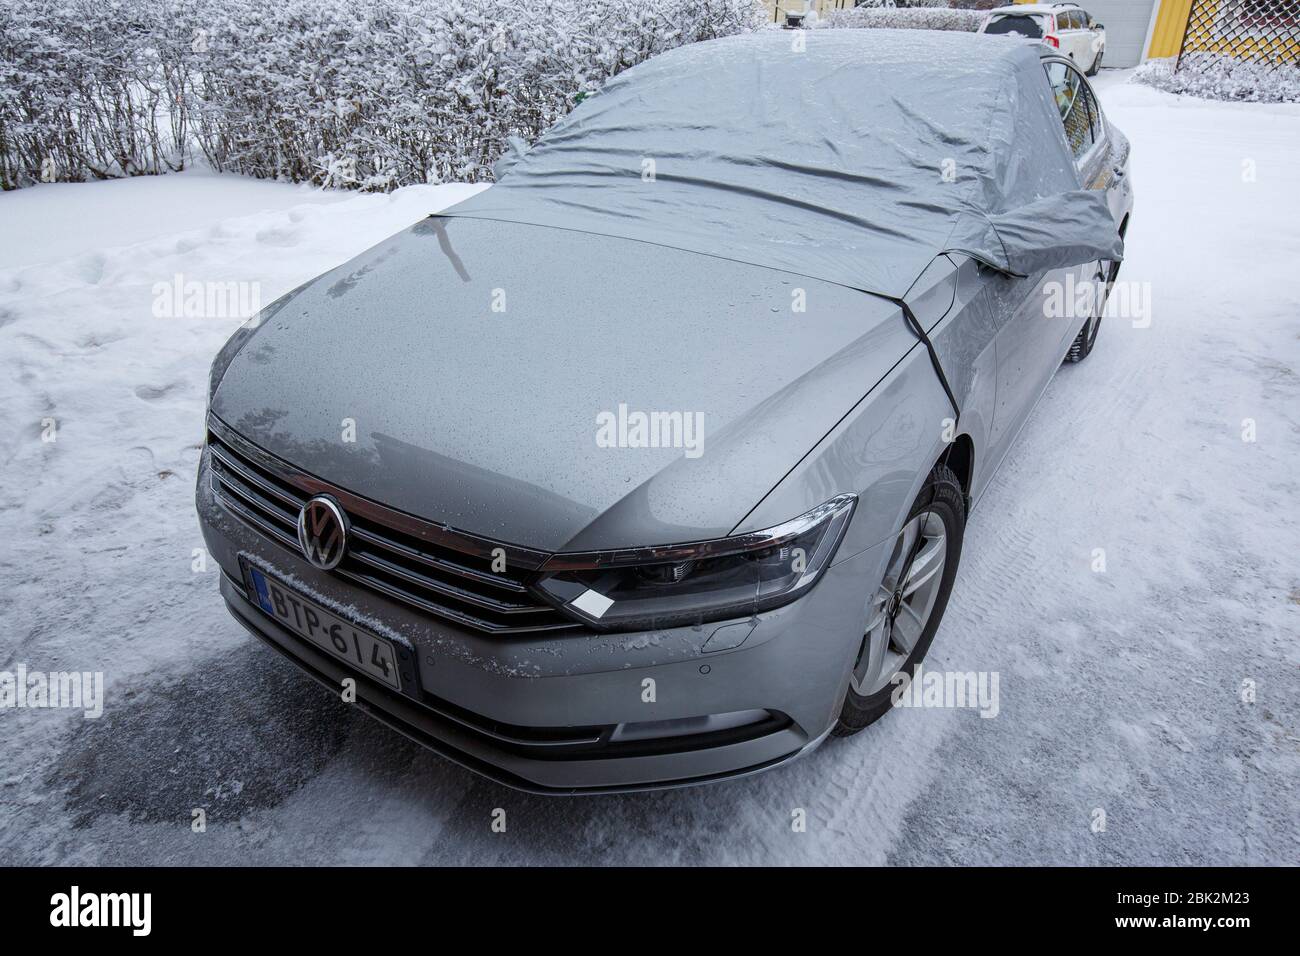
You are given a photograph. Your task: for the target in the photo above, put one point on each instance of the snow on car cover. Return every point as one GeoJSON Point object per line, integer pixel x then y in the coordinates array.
{"type": "Point", "coordinates": [856, 159]}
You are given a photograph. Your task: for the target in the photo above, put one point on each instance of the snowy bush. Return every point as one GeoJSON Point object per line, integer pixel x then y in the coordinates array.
{"type": "Point", "coordinates": [1217, 77]}
{"type": "Point", "coordinates": [926, 18]}
{"type": "Point", "coordinates": [337, 92]}
{"type": "Point", "coordinates": [83, 93]}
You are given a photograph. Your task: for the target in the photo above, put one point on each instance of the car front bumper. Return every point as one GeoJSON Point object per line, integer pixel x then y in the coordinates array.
{"type": "Point", "coordinates": [583, 711]}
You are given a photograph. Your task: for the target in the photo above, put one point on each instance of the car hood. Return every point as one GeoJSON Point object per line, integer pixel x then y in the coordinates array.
{"type": "Point", "coordinates": [474, 373]}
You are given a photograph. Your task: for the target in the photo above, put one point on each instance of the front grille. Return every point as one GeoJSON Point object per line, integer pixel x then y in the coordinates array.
{"type": "Point", "coordinates": [457, 586]}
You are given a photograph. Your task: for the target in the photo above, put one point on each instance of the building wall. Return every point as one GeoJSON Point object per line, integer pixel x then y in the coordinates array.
{"type": "Point", "coordinates": [1127, 22]}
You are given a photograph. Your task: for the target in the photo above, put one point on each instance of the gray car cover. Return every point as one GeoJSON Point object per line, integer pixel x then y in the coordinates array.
{"type": "Point", "coordinates": [854, 156]}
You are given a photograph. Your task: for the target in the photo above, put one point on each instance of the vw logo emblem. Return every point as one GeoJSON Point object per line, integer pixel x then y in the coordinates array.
{"type": "Point", "coordinates": [323, 532]}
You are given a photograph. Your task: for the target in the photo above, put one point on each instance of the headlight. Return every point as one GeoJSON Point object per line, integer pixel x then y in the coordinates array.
{"type": "Point", "coordinates": [681, 584]}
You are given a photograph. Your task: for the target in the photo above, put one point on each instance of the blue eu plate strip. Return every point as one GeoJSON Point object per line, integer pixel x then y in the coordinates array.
{"type": "Point", "coordinates": [263, 596]}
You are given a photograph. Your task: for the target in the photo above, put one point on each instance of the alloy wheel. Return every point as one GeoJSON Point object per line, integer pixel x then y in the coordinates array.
{"type": "Point", "coordinates": [900, 608]}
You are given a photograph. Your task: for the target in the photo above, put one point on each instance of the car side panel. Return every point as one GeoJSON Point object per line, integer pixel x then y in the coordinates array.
{"type": "Point", "coordinates": [877, 450]}
{"type": "Point", "coordinates": [884, 448]}
{"type": "Point", "coordinates": [1027, 347]}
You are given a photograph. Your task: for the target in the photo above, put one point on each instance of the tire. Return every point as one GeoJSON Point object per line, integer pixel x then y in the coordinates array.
{"type": "Point", "coordinates": [941, 498]}
{"type": "Point", "coordinates": [1082, 345]}
{"type": "Point", "coordinates": [1096, 64]}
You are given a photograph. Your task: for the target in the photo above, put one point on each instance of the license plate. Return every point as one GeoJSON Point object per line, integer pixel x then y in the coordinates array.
{"type": "Point", "coordinates": [371, 655]}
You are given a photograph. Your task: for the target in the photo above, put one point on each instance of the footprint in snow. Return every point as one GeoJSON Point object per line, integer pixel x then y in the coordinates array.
{"type": "Point", "coordinates": [90, 268]}
{"type": "Point", "coordinates": [154, 393]}
{"type": "Point", "coordinates": [278, 236]}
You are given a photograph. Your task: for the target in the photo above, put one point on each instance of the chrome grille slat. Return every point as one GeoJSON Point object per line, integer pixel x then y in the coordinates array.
{"type": "Point", "coordinates": [257, 521]}
{"type": "Point", "coordinates": [427, 577]}
{"type": "Point", "coordinates": [379, 541]}
{"type": "Point", "coordinates": [461, 617]}
{"type": "Point", "coordinates": [438, 587]}
{"type": "Point", "coordinates": [265, 506]}
{"type": "Point", "coordinates": [251, 477]}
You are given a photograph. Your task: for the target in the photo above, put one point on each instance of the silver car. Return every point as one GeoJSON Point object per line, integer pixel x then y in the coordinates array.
{"type": "Point", "coordinates": [650, 465]}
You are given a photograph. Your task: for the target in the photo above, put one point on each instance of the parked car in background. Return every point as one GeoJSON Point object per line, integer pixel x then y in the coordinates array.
{"type": "Point", "coordinates": [799, 14]}
{"type": "Point", "coordinates": [1065, 26]}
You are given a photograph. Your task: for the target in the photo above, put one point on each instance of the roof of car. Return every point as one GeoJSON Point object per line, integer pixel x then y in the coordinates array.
{"type": "Point", "coordinates": [854, 156]}
{"type": "Point", "coordinates": [1035, 8]}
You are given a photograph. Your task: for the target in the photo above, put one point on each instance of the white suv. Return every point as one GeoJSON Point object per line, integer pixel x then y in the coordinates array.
{"type": "Point", "coordinates": [1063, 25]}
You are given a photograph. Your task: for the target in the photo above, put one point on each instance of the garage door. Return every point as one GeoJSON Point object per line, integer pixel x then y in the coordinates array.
{"type": "Point", "coordinates": [1126, 27]}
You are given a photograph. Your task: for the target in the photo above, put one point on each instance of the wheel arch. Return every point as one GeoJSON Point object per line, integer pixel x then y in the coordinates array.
{"type": "Point", "coordinates": [960, 459]}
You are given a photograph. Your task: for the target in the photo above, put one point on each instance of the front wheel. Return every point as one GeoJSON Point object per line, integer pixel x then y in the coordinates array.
{"type": "Point", "coordinates": [903, 613]}
{"type": "Point", "coordinates": [1096, 64]}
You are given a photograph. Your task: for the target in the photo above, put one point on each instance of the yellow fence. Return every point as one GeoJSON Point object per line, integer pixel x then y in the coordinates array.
{"type": "Point", "coordinates": [1266, 31]}
{"type": "Point", "coordinates": [1170, 28]}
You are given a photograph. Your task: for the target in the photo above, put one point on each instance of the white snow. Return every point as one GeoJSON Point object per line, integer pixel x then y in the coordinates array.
{"type": "Point", "coordinates": [1120, 691]}
{"type": "Point", "coordinates": [53, 221]}
{"type": "Point", "coordinates": [1218, 77]}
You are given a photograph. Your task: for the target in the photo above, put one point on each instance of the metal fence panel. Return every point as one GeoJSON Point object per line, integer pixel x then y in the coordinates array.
{"type": "Point", "coordinates": [1264, 31]}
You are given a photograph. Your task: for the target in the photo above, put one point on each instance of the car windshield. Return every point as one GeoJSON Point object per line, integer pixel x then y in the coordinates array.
{"type": "Point", "coordinates": [1018, 24]}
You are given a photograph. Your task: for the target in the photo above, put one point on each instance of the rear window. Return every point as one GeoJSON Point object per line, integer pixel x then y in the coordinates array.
{"type": "Point", "coordinates": [1018, 24]}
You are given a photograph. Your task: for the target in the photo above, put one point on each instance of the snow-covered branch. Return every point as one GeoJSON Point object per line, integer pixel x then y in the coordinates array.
{"type": "Point", "coordinates": [340, 92]}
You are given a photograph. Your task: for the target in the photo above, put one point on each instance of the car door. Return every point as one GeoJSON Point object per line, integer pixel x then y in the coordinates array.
{"type": "Point", "coordinates": [1100, 168]}
{"type": "Point", "coordinates": [1033, 342]}
{"type": "Point", "coordinates": [1088, 59]}
{"type": "Point", "coordinates": [1086, 52]}
{"type": "Point", "coordinates": [1081, 39]}
{"type": "Point", "coordinates": [1089, 141]}
{"type": "Point", "coordinates": [1065, 33]}
{"type": "Point", "coordinates": [1097, 163]}
{"type": "Point", "coordinates": [1084, 36]}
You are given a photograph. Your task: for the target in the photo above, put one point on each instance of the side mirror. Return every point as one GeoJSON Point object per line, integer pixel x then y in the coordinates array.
{"type": "Point", "coordinates": [1057, 232]}
{"type": "Point", "coordinates": [1099, 26]}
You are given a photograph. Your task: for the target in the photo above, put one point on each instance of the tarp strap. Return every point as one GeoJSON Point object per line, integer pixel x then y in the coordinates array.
{"type": "Point", "coordinates": [919, 331]}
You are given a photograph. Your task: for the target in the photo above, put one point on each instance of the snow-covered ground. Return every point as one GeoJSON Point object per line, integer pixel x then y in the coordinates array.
{"type": "Point", "coordinates": [54, 222]}
{"type": "Point", "coordinates": [1120, 691]}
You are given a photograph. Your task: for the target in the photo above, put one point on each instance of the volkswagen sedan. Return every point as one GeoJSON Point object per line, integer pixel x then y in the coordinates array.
{"type": "Point", "coordinates": [650, 464]}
